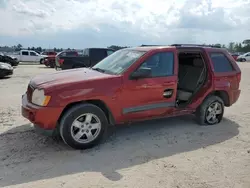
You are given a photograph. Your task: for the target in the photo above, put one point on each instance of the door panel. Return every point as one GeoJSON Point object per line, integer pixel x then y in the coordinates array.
{"type": "Point", "coordinates": [25, 56]}
{"type": "Point", "coordinates": [154, 96]}
{"type": "Point", "coordinates": [32, 57]}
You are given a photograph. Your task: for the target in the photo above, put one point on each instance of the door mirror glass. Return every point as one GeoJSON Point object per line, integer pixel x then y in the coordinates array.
{"type": "Point", "coordinates": [141, 73]}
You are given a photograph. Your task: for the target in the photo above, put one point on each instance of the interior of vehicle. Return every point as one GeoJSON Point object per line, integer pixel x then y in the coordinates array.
{"type": "Point", "coordinates": [191, 76]}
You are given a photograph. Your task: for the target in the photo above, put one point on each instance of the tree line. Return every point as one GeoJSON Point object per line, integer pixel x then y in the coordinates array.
{"type": "Point", "coordinates": [231, 47]}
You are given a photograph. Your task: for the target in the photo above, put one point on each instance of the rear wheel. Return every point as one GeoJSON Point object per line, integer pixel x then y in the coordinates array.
{"type": "Point", "coordinates": [243, 60]}
{"type": "Point", "coordinates": [210, 111]}
{"type": "Point", "coordinates": [83, 126]}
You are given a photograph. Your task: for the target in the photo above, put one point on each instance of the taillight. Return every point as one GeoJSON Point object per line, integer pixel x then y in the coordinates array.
{"type": "Point", "coordinates": [60, 61]}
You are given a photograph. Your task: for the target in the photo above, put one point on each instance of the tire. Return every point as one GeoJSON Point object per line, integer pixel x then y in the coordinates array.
{"type": "Point", "coordinates": [41, 61]}
{"type": "Point", "coordinates": [78, 113]}
{"type": "Point", "coordinates": [243, 60]}
{"type": "Point", "coordinates": [202, 113]}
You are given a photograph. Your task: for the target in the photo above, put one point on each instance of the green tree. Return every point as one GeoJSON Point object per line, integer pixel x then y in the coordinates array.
{"type": "Point", "coordinates": [19, 46]}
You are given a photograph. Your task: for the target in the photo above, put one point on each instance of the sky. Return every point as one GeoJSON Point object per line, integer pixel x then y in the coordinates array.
{"type": "Point", "coordinates": [101, 23]}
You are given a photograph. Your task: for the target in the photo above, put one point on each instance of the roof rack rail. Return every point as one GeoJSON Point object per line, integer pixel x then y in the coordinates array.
{"type": "Point", "coordinates": [145, 45]}
{"type": "Point", "coordinates": [198, 45]}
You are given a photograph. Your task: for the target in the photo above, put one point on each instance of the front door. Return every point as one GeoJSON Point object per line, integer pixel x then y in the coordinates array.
{"type": "Point", "coordinates": [154, 96]}
{"type": "Point", "coordinates": [34, 56]}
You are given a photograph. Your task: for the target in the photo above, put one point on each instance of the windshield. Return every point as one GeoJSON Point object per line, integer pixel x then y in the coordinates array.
{"type": "Point", "coordinates": [118, 62]}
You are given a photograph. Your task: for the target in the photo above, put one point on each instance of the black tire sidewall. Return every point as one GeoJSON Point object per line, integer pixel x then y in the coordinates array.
{"type": "Point", "coordinates": [71, 115]}
{"type": "Point", "coordinates": [202, 110]}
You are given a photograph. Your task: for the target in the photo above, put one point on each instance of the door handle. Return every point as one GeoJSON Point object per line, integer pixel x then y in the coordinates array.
{"type": "Point", "coordinates": [168, 93]}
{"type": "Point", "coordinates": [168, 83]}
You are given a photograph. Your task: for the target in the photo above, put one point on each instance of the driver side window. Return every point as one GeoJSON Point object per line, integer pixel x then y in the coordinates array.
{"type": "Point", "coordinates": [161, 64]}
{"type": "Point", "coordinates": [33, 54]}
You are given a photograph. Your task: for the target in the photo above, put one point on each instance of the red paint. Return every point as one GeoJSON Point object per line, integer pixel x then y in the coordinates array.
{"type": "Point", "coordinates": [118, 92]}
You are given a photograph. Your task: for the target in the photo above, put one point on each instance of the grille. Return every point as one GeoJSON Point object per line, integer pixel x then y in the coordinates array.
{"type": "Point", "coordinates": [29, 92]}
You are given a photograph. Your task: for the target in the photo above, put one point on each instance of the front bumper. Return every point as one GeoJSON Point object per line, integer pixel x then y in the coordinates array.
{"type": "Point", "coordinates": [43, 117]}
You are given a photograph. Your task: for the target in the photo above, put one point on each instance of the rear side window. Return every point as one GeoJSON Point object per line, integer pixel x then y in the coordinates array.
{"type": "Point", "coordinates": [86, 52]}
{"type": "Point", "coordinates": [221, 63]}
{"type": "Point", "coordinates": [25, 53]}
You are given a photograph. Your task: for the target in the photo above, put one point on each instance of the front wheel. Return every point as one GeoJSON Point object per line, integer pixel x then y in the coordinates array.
{"type": "Point", "coordinates": [243, 60]}
{"type": "Point", "coordinates": [41, 61]}
{"type": "Point", "coordinates": [83, 126]}
{"type": "Point", "coordinates": [210, 111]}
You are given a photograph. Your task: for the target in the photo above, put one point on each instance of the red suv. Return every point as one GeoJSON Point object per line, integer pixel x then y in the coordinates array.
{"type": "Point", "coordinates": [133, 84]}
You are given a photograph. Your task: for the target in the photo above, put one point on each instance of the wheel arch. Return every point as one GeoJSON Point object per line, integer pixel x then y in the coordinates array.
{"type": "Point", "coordinates": [99, 103]}
{"type": "Point", "coordinates": [223, 95]}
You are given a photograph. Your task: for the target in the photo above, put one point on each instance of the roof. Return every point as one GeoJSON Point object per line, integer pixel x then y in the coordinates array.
{"type": "Point", "coordinates": [148, 48]}
{"type": "Point", "coordinates": [154, 47]}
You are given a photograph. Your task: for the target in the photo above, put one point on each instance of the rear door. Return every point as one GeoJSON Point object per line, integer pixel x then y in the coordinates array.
{"type": "Point", "coordinates": [25, 56]}
{"type": "Point", "coordinates": [154, 96]}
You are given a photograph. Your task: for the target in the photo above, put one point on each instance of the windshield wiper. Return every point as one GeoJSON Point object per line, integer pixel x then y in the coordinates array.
{"type": "Point", "coordinates": [98, 69]}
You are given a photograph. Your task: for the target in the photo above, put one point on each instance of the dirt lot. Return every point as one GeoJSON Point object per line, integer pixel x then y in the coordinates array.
{"type": "Point", "coordinates": [165, 153]}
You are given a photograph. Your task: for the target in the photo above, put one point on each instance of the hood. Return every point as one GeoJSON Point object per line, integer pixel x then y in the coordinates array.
{"type": "Point", "coordinates": [43, 55]}
{"type": "Point", "coordinates": [66, 77]}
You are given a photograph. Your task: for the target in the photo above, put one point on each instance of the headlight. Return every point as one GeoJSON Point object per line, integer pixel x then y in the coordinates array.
{"type": "Point", "coordinates": [39, 98]}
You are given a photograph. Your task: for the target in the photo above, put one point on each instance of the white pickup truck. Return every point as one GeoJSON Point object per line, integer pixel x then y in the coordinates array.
{"type": "Point", "coordinates": [28, 56]}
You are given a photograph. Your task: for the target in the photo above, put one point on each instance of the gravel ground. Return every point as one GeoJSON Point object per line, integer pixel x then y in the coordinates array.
{"type": "Point", "coordinates": [171, 153]}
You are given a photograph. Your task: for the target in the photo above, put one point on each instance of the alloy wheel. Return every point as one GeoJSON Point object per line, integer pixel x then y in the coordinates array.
{"type": "Point", "coordinates": [86, 128]}
{"type": "Point", "coordinates": [214, 112]}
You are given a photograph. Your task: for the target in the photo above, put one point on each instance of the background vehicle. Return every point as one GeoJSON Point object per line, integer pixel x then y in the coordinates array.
{"type": "Point", "coordinates": [28, 56]}
{"type": "Point", "coordinates": [235, 56]}
{"type": "Point", "coordinates": [76, 59]}
{"type": "Point", "coordinates": [5, 70]}
{"type": "Point", "coordinates": [244, 57]}
{"type": "Point", "coordinates": [133, 84]}
{"type": "Point", "coordinates": [9, 60]}
{"type": "Point", "coordinates": [50, 60]}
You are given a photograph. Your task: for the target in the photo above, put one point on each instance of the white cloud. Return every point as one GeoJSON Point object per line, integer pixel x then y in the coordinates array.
{"type": "Point", "coordinates": [172, 20]}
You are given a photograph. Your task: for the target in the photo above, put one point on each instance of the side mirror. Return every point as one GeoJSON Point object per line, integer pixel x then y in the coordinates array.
{"type": "Point", "coordinates": [141, 73]}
